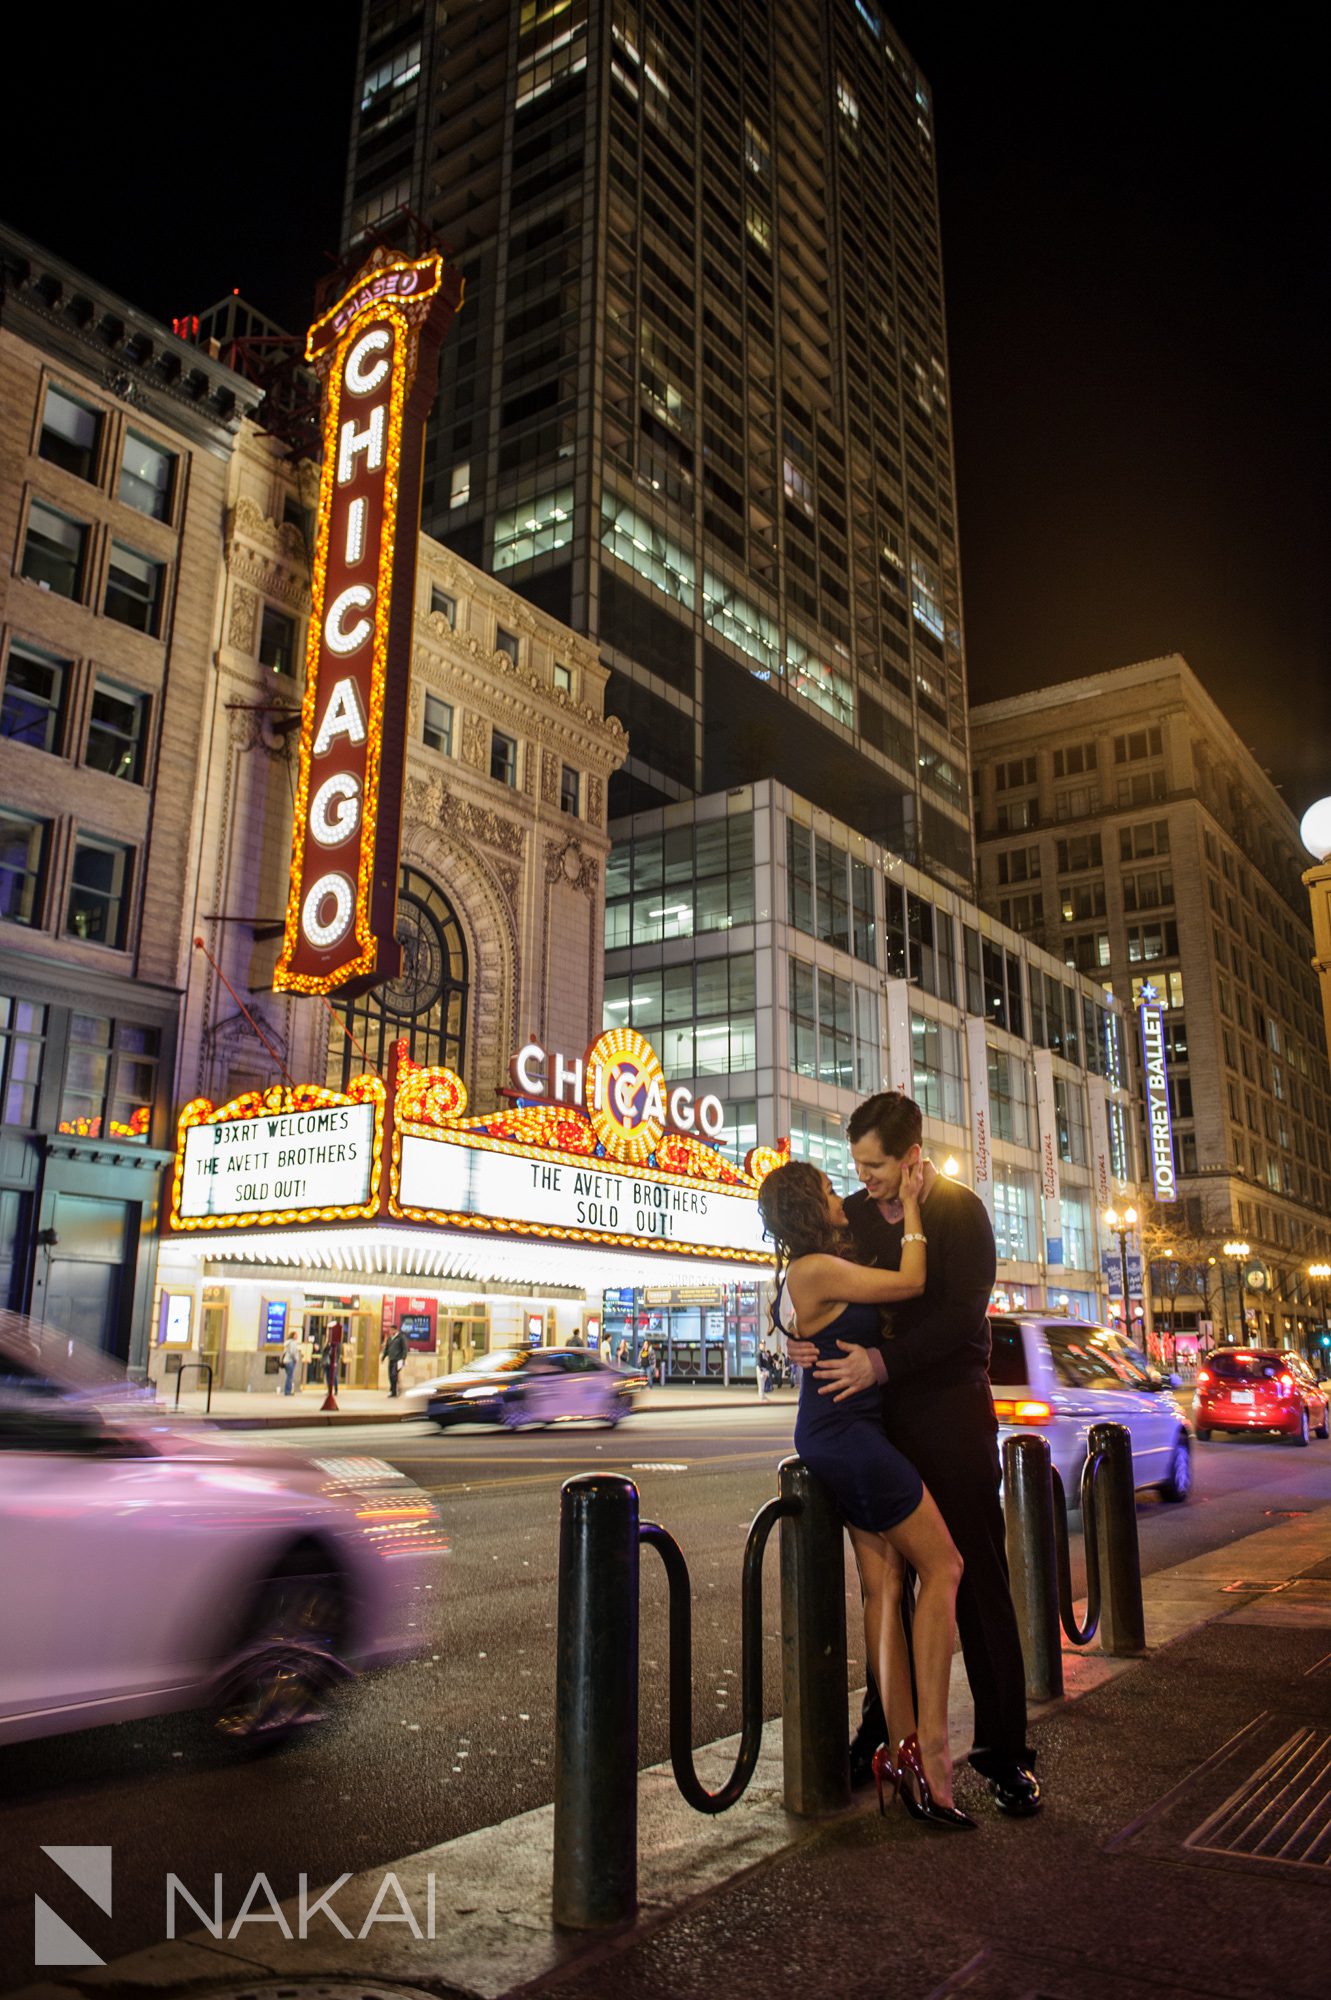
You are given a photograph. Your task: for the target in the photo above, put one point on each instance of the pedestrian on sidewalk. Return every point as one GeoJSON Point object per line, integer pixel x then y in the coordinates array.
{"type": "Point", "coordinates": [937, 1410]}
{"type": "Point", "coordinates": [764, 1363]}
{"type": "Point", "coordinates": [395, 1353]}
{"type": "Point", "coordinates": [891, 1517]}
{"type": "Point", "coordinates": [623, 1353]}
{"type": "Point", "coordinates": [291, 1360]}
{"type": "Point", "coordinates": [647, 1362]}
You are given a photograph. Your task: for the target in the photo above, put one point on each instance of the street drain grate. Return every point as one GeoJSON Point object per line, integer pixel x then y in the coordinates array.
{"type": "Point", "coordinates": [1243, 1583]}
{"type": "Point", "coordinates": [1282, 1813]}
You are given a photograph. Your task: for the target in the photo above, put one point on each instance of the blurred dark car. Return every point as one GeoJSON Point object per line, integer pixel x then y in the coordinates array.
{"type": "Point", "coordinates": [1259, 1389]}
{"type": "Point", "coordinates": [521, 1387]}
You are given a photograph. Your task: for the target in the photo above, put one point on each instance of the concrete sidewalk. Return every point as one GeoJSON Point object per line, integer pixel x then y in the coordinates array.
{"type": "Point", "coordinates": [1185, 1849]}
{"type": "Point", "coordinates": [268, 1409]}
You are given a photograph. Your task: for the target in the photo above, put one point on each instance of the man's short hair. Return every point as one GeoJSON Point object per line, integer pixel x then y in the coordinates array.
{"type": "Point", "coordinates": [894, 1118]}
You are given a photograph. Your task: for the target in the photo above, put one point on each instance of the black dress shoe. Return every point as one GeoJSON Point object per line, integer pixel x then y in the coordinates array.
{"type": "Point", "coordinates": [1017, 1793]}
{"type": "Point", "coordinates": [861, 1762]}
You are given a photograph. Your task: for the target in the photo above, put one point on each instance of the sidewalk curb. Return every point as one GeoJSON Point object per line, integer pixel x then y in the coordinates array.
{"type": "Point", "coordinates": [495, 1937]}
{"type": "Point", "coordinates": [243, 1420]}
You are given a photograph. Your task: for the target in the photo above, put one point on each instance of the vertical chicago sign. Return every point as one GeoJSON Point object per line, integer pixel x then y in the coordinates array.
{"type": "Point", "coordinates": [377, 352]}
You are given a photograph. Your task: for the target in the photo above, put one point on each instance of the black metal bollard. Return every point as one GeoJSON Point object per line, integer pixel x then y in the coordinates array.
{"type": "Point", "coordinates": [1028, 1510]}
{"type": "Point", "coordinates": [813, 1647]}
{"type": "Point", "coordinates": [1114, 1500]}
{"type": "Point", "coordinates": [596, 1697]}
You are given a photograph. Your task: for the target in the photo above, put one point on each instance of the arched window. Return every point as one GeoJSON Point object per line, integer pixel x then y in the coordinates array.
{"type": "Point", "coordinates": [426, 1005]}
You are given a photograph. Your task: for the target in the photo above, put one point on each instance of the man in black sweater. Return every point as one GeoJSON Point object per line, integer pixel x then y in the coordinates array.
{"type": "Point", "coordinates": [937, 1411]}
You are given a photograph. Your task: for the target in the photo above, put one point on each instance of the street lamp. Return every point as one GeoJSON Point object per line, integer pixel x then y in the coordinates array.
{"type": "Point", "coordinates": [1121, 1224]}
{"type": "Point", "coordinates": [1315, 832]}
{"type": "Point", "coordinates": [1240, 1252]}
{"type": "Point", "coordinates": [1321, 1272]}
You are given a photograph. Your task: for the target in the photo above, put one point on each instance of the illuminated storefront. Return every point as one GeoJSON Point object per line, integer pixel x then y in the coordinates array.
{"type": "Point", "coordinates": [589, 1207]}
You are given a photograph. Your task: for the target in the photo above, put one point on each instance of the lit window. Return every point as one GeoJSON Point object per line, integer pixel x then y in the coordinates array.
{"type": "Point", "coordinates": [145, 477]}
{"type": "Point", "coordinates": [99, 892]}
{"type": "Point", "coordinates": [757, 152]}
{"type": "Point", "coordinates": [31, 710]}
{"type": "Point", "coordinates": [277, 641]}
{"type": "Point", "coordinates": [392, 75]}
{"type": "Point", "coordinates": [563, 678]}
{"type": "Point", "coordinates": [22, 867]}
{"type": "Point", "coordinates": [503, 759]}
{"type": "Point", "coordinates": [53, 550]}
{"type": "Point", "coordinates": [22, 1048]}
{"type": "Point", "coordinates": [70, 431]}
{"type": "Point", "coordinates": [533, 528]}
{"type": "Point", "coordinates": [926, 596]}
{"type": "Point", "coordinates": [569, 787]}
{"type": "Point", "coordinates": [847, 103]}
{"type": "Point", "coordinates": [134, 589]}
{"type": "Point", "coordinates": [459, 489]}
{"type": "Point", "coordinates": [639, 544]}
{"type": "Point", "coordinates": [116, 731]}
{"type": "Point", "coordinates": [437, 733]}
{"type": "Point", "coordinates": [758, 226]}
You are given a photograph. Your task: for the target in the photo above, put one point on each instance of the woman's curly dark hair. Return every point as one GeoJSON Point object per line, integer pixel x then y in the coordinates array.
{"type": "Point", "coordinates": [793, 1204]}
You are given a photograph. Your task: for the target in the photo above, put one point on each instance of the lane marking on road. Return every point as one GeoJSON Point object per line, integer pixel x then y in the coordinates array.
{"type": "Point", "coordinates": [657, 1465]}
{"type": "Point", "coordinates": [543, 1478]}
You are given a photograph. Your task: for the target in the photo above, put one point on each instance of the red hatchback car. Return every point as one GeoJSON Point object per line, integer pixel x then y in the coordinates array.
{"type": "Point", "coordinates": [1259, 1389]}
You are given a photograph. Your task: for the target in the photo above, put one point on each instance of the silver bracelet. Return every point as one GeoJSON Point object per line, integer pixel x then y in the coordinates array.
{"type": "Point", "coordinates": [914, 1236]}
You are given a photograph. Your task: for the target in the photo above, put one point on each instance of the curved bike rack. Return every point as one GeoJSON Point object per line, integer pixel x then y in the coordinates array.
{"type": "Point", "coordinates": [596, 1701]}
{"type": "Point", "coordinates": [1035, 1507]}
{"type": "Point", "coordinates": [203, 1368]}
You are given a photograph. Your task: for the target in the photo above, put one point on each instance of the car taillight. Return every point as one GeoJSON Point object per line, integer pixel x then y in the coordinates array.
{"type": "Point", "coordinates": [1023, 1412]}
{"type": "Point", "coordinates": [1286, 1384]}
{"type": "Point", "coordinates": [1203, 1377]}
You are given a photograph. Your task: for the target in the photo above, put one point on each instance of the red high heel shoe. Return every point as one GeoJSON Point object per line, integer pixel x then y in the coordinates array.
{"type": "Point", "coordinates": [910, 1763]}
{"type": "Point", "coordinates": [885, 1772]}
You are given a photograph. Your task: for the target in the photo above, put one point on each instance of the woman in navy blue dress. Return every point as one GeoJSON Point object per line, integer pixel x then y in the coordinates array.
{"type": "Point", "coordinates": [891, 1519]}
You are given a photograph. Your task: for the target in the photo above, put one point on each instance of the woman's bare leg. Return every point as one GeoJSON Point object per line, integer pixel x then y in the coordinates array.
{"type": "Point", "coordinates": [881, 1577]}
{"type": "Point", "coordinates": [923, 1540]}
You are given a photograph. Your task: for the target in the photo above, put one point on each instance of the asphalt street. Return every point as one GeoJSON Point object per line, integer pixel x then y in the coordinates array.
{"type": "Point", "coordinates": [463, 1739]}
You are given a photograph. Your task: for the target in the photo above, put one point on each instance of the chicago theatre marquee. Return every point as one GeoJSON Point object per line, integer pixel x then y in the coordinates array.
{"type": "Point", "coordinates": [393, 1105]}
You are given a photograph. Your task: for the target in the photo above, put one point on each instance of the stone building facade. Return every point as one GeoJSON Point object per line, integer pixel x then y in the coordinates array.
{"type": "Point", "coordinates": [504, 831]}
{"type": "Point", "coordinates": [1123, 824]}
{"type": "Point", "coordinates": [115, 443]}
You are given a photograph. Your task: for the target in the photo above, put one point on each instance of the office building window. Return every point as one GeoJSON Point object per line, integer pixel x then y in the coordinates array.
{"type": "Point", "coordinates": [110, 1080]}
{"type": "Point", "coordinates": [690, 880]}
{"type": "Point", "coordinates": [1009, 1098]}
{"type": "Point", "coordinates": [1070, 1117]}
{"type": "Point", "coordinates": [636, 542]}
{"type": "Point", "coordinates": [134, 589]}
{"type": "Point", "coordinates": [1016, 815]}
{"type": "Point", "coordinates": [1022, 864]}
{"type": "Point", "coordinates": [22, 867]}
{"type": "Point", "coordinates": [54, 549]}
{"type": "Point", "coordinates": [437, 731]}
{"type": "Point", "coordinates": [506, 643]}
{"type": "Point", "coordinates": [1149, 889]}
{"type": "Point", "coordinates": [1139, 743]}
{"type": "Point", "coordinates": [570, 786]}
{"type": "Point", "coordinates": [564, 678]}
{"type": "Point", "coordinates": [32, 707]}
{"type": "Point", "coordinates": [1074, 758]}
{"type": "Point", "coordinates": [99, 891]}
{"type": "Point", "coordinates": [503, 758]}
{"type": "Point", "coordinates": [22, 1051]}
{"type": "Point", "coordinates": [459, 486]}
{"type": "Point", "coordinates": [1079, 852]}
{"type": "Point", "coordinates": [70, 431]}
{"type": "Point", "coordinates": [1151, 941]}
{"type": "Point", "coordinates": [533, 527]}
{"type": "Point", "coordinates": [700, 1017]}
{"type": "Point", "coordinates": [1013, 773]}
{"type": "Point", "coordinates": [1140, 788]}
{"type": "Point", "coordinates": [834, 1033]}
{"type": "Point", "coordinates": [1149, 837]}
{"type": "Point", "coordinates": [116, 731]}
{"type": "Point", "coordinates": [938, 1086]}
{"type": "Point", "coordinates": [830, 893]}
{"type": "Point", "coordinates": [146, 477]}
{"type": "Point", "coordinates": [1014, 1216]}
{"type": "Point", "coordinates": [444, 604]}
{"type": "Point", "coordinates": [277, 641]}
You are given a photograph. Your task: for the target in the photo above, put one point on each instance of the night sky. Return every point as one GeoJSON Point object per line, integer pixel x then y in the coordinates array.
{"type": "Point", "coordinates": [1134, 236]}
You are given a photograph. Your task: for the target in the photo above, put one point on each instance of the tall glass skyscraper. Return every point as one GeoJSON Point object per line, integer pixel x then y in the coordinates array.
{"type": "Point", "coordinates": [696, 403]}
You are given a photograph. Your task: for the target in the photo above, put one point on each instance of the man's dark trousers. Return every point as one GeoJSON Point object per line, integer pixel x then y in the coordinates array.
{"type": "Point", "coordinates": [950, 1436]}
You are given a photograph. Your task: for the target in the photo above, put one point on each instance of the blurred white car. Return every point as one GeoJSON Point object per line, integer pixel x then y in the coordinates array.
{"type": "Point", "coordinates": [148, 1565]}
{"type": "Point", "coordinates": [520, 1387]}
{"type": "Point", "coordinates": [1058, 1376]}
